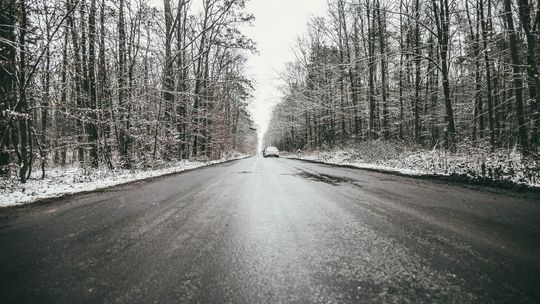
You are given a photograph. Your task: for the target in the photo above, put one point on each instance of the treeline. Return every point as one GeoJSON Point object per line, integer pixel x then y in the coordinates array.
{"type": "Point", "coordinates": [120, 83]}
{"type": "Point", "coordinates": [438, 73]}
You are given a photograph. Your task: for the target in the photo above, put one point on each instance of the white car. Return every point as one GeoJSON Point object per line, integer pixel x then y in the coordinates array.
{"type": "Point", "coordinates": [271, 151]}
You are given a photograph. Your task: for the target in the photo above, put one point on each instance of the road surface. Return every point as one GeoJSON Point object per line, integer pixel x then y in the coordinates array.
{"type": "Point", "coordinates": [275, 231]}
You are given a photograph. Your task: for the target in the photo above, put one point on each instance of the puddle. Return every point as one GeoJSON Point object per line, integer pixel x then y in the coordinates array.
{"type": "Point", "coordinates": [326, 178]}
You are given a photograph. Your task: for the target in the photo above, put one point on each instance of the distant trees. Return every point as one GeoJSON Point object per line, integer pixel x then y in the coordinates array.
{"type": "Point", "coordinates": [119, 83]}
{"type": "Point", "coordinates": [436, 72]}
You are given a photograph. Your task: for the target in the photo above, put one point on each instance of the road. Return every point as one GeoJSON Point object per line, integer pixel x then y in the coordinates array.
{"type": "Point", "coordinates": [275, 231]}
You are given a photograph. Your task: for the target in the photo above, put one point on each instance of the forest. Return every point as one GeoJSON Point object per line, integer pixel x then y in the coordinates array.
{"type": "Point", "coordinates": [122, 84]}
{"type": "Point", "coordinates": [441, 74]}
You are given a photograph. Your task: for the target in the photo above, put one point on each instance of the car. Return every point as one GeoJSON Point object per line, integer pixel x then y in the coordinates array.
{"type": "Point", "coordinates": [271, 152]}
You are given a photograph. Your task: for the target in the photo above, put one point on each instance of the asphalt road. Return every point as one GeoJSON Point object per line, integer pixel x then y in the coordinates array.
{"type": "Point", "coordinates": [275, 231]}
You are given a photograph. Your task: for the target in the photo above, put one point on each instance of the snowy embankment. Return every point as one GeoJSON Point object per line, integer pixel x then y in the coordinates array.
{"type": "Point", "coordinates": [70, 180]}
{"type": "Point", "coordinates": [507, 167]}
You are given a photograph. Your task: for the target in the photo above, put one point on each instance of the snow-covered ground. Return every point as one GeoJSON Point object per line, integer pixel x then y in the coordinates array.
{"type": "Point", "coordinates": [474, 164]}
{"type": "Point", "coordinates": [69, 180]}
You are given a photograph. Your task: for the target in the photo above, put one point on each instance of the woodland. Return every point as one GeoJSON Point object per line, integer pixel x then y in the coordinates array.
{"type": "Point", "coordinates": [453, 76]}
{"type": "Point", "coordinates": [122, 84]}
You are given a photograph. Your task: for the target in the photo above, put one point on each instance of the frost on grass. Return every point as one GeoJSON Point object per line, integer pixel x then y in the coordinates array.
{"type": "Point", "coordinates": [68, 180]}
{"type": "Point", "coordinates": [507, 166]}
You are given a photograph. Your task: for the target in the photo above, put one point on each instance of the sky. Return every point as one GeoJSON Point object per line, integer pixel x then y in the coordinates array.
{"type": "Point", "coordinates": [277, 25]}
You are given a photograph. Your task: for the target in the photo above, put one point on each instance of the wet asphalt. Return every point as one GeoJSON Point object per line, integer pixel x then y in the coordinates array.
{"type": "Point", "coordinates": [275, 231]}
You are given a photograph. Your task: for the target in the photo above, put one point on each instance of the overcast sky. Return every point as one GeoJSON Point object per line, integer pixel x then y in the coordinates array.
{"type": "Point", "coordinates": [277, 25]}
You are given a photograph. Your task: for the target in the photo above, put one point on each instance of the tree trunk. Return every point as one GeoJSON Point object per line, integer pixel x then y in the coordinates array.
{"type": "Point", "coordinates": [371, 68]}
{"type": "Point", "coordinates": [442, 20]}
{"type": "Point", "coordinates": [182, 75]}
{"type": "Point", "coordinates": [417, 77]}
{"type": "Point", "coordinates": [355, 83]}
{"type": "Point", "coordinates": [92, 129]}
{"type": "Point", "coordinates": [78, 84]}
{"type": "Point", "coordinates": [532, 33]}
{"type": "Point", "coordinates": [22, 106]}
{"type": "Point", "coordinates": [487, 63]}
{"type": "Point", "coordinates": [518, 82]}
{"type": "Point", "coordinates": [168, 75]}
{"type": "Point", "coordinates": [122, 140]}
{"type": "Point", "coordinates": [384, 71]}
{"type": "Point", "coordinates": [104, 99]}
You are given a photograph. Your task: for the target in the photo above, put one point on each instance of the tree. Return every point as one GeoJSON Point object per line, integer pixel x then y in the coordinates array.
{"type": "Point", "coordinates": [531, 29]}
{"type": "Point", "coordinates": [441, 12]}
{"type": "Point", "coordinates": [92, 102]}
{"type": "Point", "coordinates": [22, 104]}
{"type": "Point", "coordinates": [518, 82]}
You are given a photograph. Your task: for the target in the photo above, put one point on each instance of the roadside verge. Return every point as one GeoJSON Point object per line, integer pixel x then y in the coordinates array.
{"type": "Point", "coordinates": [70, 181]}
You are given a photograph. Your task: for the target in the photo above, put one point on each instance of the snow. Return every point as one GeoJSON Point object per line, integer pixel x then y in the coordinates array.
{"type": "Point", "coordinates": [472, 163]}
{"type": "Point", "coordinates": [70, 180]}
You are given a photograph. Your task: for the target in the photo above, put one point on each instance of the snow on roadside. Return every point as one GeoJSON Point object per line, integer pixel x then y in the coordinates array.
{"type": "Point", "coordinates": [500, 166]}
{"type": "Point", "coordinates": [70, 180]}
{"type": "Point", "coordinates": [340, 158]}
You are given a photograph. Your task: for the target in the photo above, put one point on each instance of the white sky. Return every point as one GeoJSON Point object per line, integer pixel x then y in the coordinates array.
{"type": "Point", "coordinates": [277, 25]}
